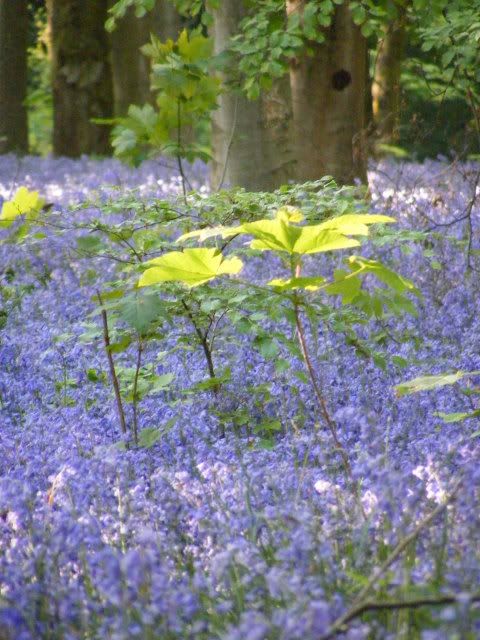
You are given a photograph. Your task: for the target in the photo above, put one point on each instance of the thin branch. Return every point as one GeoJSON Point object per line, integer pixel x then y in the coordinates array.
{"type": "Point", "coordinates": [111, 364]}
{"type": "Point", "coordinates": [106, 256]}
{"type": "Point", "coordinates": [395, 605]}
{"type": "Point", "coordinates": [323, 406]}
{"type": "Point", "coordinates": [360, 601]}
{"type": "Point", "coordinates": [332, 427]}
{"type": "Point", "coordinates": [202, 337]}
{"type": "Point", "coordinates": [467, 215]}
{"type": "Point", "coordinates": [214, 325]}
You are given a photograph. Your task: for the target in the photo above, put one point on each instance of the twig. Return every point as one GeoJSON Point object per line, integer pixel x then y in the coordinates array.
{"type": "Point", "coordinates": [323, 406]}
{"type": "Point", "coordinates": [466, 216]}
{"type": "Point", "coordinates": [202, 337]}
{"type": "Point", "coordinates": [360, 601]}
{"type": "Point", "coordinates": [395, 605]}
{"type": "Point", "coordinates": [332, 427]}
{"type": "Point", "coordinates": [111, 363]}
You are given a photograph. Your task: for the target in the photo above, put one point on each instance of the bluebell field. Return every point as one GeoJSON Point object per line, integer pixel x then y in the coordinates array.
{"type": "Point", "coordinates": [208, 535]}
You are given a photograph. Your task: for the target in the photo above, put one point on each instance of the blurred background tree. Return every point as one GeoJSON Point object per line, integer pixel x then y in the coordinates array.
{"type": "Point", "coordinates": [81, 76]}
{"type": "Point", "coordinates": [130, 68]}
{"type": "Point", "coordinates": [308, 87]}
{"type": "Point", "coordinates": [13, 76]}
{"type": "Point", "coordinates": [387, 73]}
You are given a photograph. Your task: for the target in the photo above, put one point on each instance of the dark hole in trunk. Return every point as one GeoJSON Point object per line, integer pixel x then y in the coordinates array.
{"type": "Point", "coordinates": [341, 79]}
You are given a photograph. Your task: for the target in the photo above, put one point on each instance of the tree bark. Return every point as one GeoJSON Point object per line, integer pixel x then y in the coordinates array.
{"type": "Point", "coordinates": [82, 83]}
{"type": "Point", "coordinates": [165, 21]}
{"type": "Point", "coordinates": [13, 76]}
{"type": "Point", "coordinates": [328, 95]}
{"type": "Point", "coordinates": [130, 68]}
{"type": "Point", "coordinates": [277, 129]}
{"type": "Point", "coordinates": [250, 138]}
{"type": "Point", "coordinates": [386, 81]}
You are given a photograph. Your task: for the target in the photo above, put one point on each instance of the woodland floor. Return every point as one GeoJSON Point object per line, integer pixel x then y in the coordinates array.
{"type": "Point", "coordinates": [210, 537]}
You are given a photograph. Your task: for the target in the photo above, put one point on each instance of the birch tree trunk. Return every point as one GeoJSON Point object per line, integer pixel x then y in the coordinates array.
{"type": "Point", "coordinates": [386, 81]}
{"type": "Point", "coordinates": [13, 75]}
{"type": "Point", "coordinates": [328, 95]}
{"type": "Point", "coordinates": [82, 83]}
{"type": "Point", "coordinates": [250, 139]}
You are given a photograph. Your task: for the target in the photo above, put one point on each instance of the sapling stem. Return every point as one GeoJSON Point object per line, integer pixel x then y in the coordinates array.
{"type": "Point", "coordinates": [319, 396]}
{"type": "Point", "coordinates": [203, 339]}
{"type": "Point", "coordinates": [111, 364]}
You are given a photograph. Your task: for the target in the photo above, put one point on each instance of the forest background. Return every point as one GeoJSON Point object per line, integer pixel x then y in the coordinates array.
{"type": "Point", "coordinates": [203, 435]}
{"type": "Point", "coordinates": [266, 91]}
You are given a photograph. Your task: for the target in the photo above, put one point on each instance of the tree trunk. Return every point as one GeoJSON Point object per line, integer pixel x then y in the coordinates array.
{"type": "Point", "coordinates": [165, 21]}
{"type": "Point", "coordinates": [13, 75]}
{"type": "Point", "coordinates": [250, 139]}
{"type": "Point", "coordinates": [328, 95]}
{"type": "Point", "coordinates": [277, 129]}
{"type": "Point", "coordinates": [130, 68]}
{"type": "Point", "coordinates": [82, 83]}
{"type": "Point", "coordinates": [386, 82]}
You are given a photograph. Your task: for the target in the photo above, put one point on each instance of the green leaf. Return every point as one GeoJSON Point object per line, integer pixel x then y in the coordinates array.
{"type": "Point", "coordinates": [308, 283]}
{"type": "Point", "coordinates": [141, 310]}
{"type": "Point", "coordinates": [210, 232]}
{"type": "Point", "coordinates": [290, 214]}
{"type": "Point", "coordinates": [399, 361]}
{"type": "Point", "coordinates": [395, 281]}
{"type": "Point", "coordinates": [148, 437]}
{"type": "Point", "coordinates": [302, 376]}
{"type": "Point", "coordinates": [191, 267]}
{"type": "Point", "coordinates": [457, 417]}
{"type": "Point", "coordinates": [269, 426]}
{"type": "Point", "coordinates": [114, 294]}
{"type": "Point", "coordinates": [281, 365]}
{"type": "Point", "coordinates": [90, 244]}
{"type": "Point", "coordinates": [95, 376]}
{"type": "Point", "coordinates": [212, 383]}
{"type": "Point", "coordinates": [194, 47]}
{"type": "Point", "coordinates": [355, 224]}
{"type": "Point", "coordinates": [160, 382]}
{"type": "Point", "coordinates": [24, 203]}
{"type": "Point", "coordinates": [121, 345]}
{"type": "Point", "coordinates": [427, 383]}
{"type": "Point", "coordinates": [380, 361]}
{"type": "Point", "coordinates": [346, 285]}
{"type": "Point", "coordinates": [267, 346]}
{"type": "Point", "coordinates": [279, 235]}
